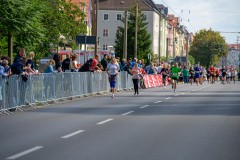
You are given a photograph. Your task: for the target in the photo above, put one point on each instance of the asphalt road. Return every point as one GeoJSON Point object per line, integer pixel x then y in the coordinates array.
{"type": "Point", "coordinates": [196, 123]}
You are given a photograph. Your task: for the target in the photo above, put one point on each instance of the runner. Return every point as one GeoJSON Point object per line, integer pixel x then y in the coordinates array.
{"type": "Point", "coordinates": [212, 74]}
{"type": "Point", "coordinates": [165, 73]}
{"type": "Point", "coordinates": [217, 75]}
{"type": "Point", "coordinates": [112, 71]}
{"type": "Point", "coordinates": [228, 76]}
{"type": "Point", "coordinates": [135, 78]}
{"type": "Point", "coordinates": [201, 76]}
{"type": "Point", "coordinates": [192, 73]}
{"type": "Point", "coordinates": [204, 74]}
{"type": "Point", "coordinates": [234, 73]}
{"type": "Point", "coordinates": [197, 73]}
{"type": "Point", "coordinates": [208, 75]}
{"type": "Point", "coordinates": [175, 70]}
{"type": "Point", "coordinates": [224, 72]}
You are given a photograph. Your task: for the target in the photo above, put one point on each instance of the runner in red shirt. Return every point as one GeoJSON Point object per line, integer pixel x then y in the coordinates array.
{"type": "Point", "coordinates": [212, 70]}
{"type": "Point", "coordinates": [217, 74]}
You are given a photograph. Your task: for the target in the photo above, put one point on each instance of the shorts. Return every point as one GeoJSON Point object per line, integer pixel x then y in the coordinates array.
{"type": "Point", "coordinates": [112, 84]}
{"type": "Point", "coordinates": [197, 76]}
{"type": "Point", "coordinates": [174, 78]}
{"type": "Point", "coordinates": [223, 76]}
{"type": "Point", "coordinates": [113, 78]}
{"type": "Point", "coordinates": [208, 77]}
{"type": "Point", "coordinates": [191, 77]}
{"type": "Point", "coordinates": [211, 75]}
{"type": "Point", "coordinates": [217, 76]}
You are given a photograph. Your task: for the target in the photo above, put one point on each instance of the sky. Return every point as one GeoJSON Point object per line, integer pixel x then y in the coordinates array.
{"type": "Point", "coordinates": [220, 15]}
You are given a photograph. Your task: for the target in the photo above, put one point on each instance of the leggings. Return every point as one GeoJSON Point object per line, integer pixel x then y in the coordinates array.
{"type": "Point", "coordinates": [135, 83]}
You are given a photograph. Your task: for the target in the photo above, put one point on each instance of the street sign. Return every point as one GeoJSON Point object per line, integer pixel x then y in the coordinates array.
{"type": "Point", "coordinates": [149, 56]}
{"type": "Point", "coordinates": [85, 39]}
{"type": "Point", "coordinates": [171, 59]}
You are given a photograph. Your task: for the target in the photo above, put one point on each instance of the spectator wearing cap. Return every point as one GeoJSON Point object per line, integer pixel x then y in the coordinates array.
{"type": "Point", "coordinates": [95, 62]}
{"type": "Point", "coordinates": [104, 62]}
{"type": "Point", "coordinates": [87, 66]}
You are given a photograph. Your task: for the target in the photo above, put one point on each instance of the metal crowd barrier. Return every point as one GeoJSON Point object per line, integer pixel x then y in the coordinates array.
{"type": "Point", "coordinates": [53, 87]}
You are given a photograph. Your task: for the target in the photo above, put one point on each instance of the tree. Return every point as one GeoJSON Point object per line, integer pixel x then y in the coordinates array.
{"type": "Point", "coordinates": [34, 24]}
{"type": "Point", "coordinates": [191, 59]}
{"type": "Point", "coordinates": [144, 38]}
{"type": "Point", "coordinates": [206, 47]}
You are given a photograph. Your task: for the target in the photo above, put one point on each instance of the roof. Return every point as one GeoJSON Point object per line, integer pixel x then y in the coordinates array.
{"type": "Point", "coordinates": [122, 5]}
{"type": "Point", "coordinates": [236, 46]}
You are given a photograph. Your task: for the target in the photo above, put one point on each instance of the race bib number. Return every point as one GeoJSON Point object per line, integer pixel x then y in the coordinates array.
{"type": "Point", "coordinates": [175, 74]}
{"type": "Point", "coordinates": [211, 72]}
{"type": "Point", "coordinates": [224, 70]}
{"type": "Point", "coordinates": [197, 71]}
{"type": "Point", "coordinates": [112, 70]}
{"type": "Point", "coordinates": [135, 75]}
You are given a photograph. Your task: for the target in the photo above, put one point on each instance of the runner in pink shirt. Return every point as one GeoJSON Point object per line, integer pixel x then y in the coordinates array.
{"type": "Point", "coordinates": [135, 77]}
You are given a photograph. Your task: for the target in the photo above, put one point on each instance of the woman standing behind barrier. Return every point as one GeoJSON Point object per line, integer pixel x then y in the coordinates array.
{"type": "Point", "coordinates": [30, 64]}
{"type": "Point", "coordinates": [57, 60]}
{"type": "Point", "coordinates": [112, 71]}
{"type": "Point", "coordinates": [135, 78]}
{"type": "Point", "coordinates": [74, 67]}
{"type": "Point", "coordinates": [48, 79]}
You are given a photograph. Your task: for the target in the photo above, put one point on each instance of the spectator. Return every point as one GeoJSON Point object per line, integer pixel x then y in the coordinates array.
{"type": "Point", "coordinates": [104, 62]}
{"type": "Point", "coordinates": [150, 68]}
{"type": "Point", "coordinates": [30, 64]}
{"type": "Point", "coordinates": [20, 55]}
{"type": "Point", "coordinates": [95, 61]}
{"type": "Point", "coordinates": [127, 68]}
{"type": "Point", "coordinates": [74, 67]}
{"type": "Point", "coordinates": [133, 62]}
{"type": "Point", "coordinates": [109, 58]}
{"type": "Point", "coordinates": [8, 59]}
{"type": "Point", "coordinates": [159, 68]}
{"type": "Point", "coordinates": [66, 64]}
{"type": "Point", "coordinates": [49, 67]}
{"type": "Point", "coordinates": [3, 65]}
{"type": "Point", "coordinates": [97, 70]}
{"type": "Point", "coordinates": [100, 66]}
{"type": "Point", "coordinates": [57, 61]}
{"type": "Point", "coordinates": [17, 67]}
{"type": "Point", "coordinates": [124, 63]}
{"type": "Point", "coordinates": [143, 65]}
{"type": "Point", "coordinates": [130, 60]}
{"type": "Point", "coordinates": [87, 66]}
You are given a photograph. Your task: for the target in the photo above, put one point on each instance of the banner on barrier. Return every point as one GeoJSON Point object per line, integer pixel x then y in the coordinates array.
{"type": "Point", "coordinates": [153, 81]}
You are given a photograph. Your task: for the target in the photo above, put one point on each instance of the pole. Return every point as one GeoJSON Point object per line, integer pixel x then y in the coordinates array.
{"type": "Point", "coordinates": [96, 45]}
{"type": "Point", "coordinates": [136, 26]}
{"type": "Point", "coordinates": [78, 53]}
{"type": "Point", "coordinates": [174, 44]}
{"type": "Point", "coordinates": [10, 48]}
{"type": "Point", "coordinates": [125, 36]}
{"type": "Point", "coordinates": [85, 48]}
{"type": "Point", "coordinates": [159, 47]}
{"type": "Point", "coordinates": [187, 50]}
{"type": "Point", "coordinates": [167, 51]}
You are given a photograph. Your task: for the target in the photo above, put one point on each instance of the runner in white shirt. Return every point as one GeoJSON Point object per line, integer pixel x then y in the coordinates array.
{"type": "Point", "coordinates": [228, 76]}
{"type": "Point", "coordinates": [234, 74]}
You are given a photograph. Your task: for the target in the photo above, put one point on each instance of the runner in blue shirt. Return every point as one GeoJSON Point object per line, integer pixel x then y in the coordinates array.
{"type": "Point", "coordinates": [197, 73]}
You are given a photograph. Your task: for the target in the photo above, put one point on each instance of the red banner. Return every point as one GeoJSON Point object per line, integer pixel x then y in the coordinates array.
{"type": "Point", "coordinates": [153, 81]}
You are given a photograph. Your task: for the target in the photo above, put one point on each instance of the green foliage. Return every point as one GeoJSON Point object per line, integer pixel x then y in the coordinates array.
{"type": "Point", "coordinates": [144, 38]}
{"type": "Point", "coordinates": [191, 59]}
{"type": "Point", "coordinates": [35, 24]}
{"type": "Point", "coordinates": [206, 47]}
{"type": "Point", "coordinates": [3, 46]}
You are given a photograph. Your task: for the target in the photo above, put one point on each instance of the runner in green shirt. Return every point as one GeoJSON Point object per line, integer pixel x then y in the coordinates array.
{"type": "Point", "coordinates": [175, 70]}
{"type": "Point", "coordinates": [192, 75]}
{"type": "Point", "coordinates": [185, 74]}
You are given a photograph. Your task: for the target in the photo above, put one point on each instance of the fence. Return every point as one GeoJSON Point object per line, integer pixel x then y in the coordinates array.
{"type": "Point", "coordinates": [44, 88]}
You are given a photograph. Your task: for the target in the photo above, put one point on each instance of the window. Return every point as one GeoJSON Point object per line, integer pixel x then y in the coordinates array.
{"type": "Point", "coordinates": [105, 47]}
{"type": "Point", "coordinates": [145, 16]}
{"type": "Point", "coordinates": [119, 17]}
{"type": "Point", "coordinates": [105, 17]}
{"type": "Point", "coordinates": [105, 32]}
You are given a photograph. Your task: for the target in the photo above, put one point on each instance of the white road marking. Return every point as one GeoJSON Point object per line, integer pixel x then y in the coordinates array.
{"type": "Point", "coordinates": [182, 93]}
{"type": "Point", "coordinates": [176, 95]}
{"type": "Point", "coordinates": [158, 102]}
{"type": "Point", "coordinates": [25, 152]}
{"type": "Point", "coordinates": [169, 98]}
{"type": "Point", "coordinates": [73, 134]}
{"type": "Point", "coordinates": [127, 113]}
{"type": "Point", "coordinates": [193, 90]}
{"type": "Point", "coordinates": [144, 106]}
{"type": "Point", "coordinates": [105, 121]}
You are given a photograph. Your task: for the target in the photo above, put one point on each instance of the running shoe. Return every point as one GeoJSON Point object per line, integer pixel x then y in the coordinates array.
{"type": "Point", "coordinates": [164, 87]}
{"type": "Point", "coordinates": [112, 96]}
{"type": "Point", "coordinates": [175, 91]}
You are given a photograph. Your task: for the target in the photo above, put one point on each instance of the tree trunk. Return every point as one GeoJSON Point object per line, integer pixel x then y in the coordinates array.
{"type": "Point", "coordinates": [10, 48]}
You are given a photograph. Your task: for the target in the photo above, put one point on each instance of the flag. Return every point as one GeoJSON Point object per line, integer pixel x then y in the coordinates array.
{"type": "Point", "coordinates": [89, 22]}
